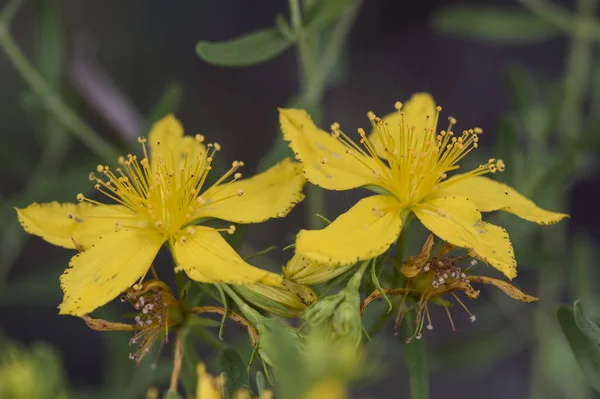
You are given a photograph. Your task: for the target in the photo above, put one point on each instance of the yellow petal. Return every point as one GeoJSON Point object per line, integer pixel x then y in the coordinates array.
{"type": "Point", "coordinates": [366, 230]}
{"type": "Point", "coordinates": [112, 265]}
{"type": "Point", "coordinates": [494, 248]}
{"type": "Point", "coordinates": [209, 387]}
{"type": "Point", "coordinates": [490, 195]}
{"type": "Point", "coordinates": [507, 288]}
{"type": "Point", "coordinates": [328, 163]}
{"type": "Point", "coordinates": [207, 257]}
{"type": "Point", "coordinates": [450, 218]}
{"type": "Point", "coordinates": [303, 270]}
{"type": "Point", "coordinates": [416, 111]}
{"type": "Point", "coordinates": [98, 221]}
{"type": "Point", "coordinates": [168, 144]}
{"type": "Point", "coordinates": [266, 195]}
{"type": "Point", "coordinates": [70, 225]}
{"type": "Point", "coordinates": [456, 220]}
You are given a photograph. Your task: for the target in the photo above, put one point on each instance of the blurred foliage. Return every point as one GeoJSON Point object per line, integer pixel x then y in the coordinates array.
{"type": "Point", "coordinates": [551, 130]}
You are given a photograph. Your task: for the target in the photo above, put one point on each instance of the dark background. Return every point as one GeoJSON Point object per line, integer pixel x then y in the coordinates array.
{"type": "Point", "coordinates": [392, 52]}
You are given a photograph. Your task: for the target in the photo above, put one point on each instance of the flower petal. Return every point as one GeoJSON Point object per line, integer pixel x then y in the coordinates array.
{"type": "Point", "coordinates": [507, 288]}
{"type": "Point", "coordinates": [328, 163]}
{"type": "Point", "coordinates": [112, 265]}
{"type": "Point", "coordinates": [168, 144]}
{"type": "Point", "coordinates": [457, 221]}
{"type": "Point", "coordinates": [366, 230]}
{"type": "Point", "coordinates": [70, 225]}
{"type": "Point", "coordinates": [450, 218]}
{"type": "Point", "coordinates": [490, 195]}
{"type": "Point", "coordinates": [207, 257]}
{"type": "Point", "coordinates": [266, 195]}
{"type": "Point", "coordinates": [415, 112]}
{"type": "Point", "coordinates": [494, 248]}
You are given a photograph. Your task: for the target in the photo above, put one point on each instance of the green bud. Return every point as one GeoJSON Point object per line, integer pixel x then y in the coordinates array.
{"type": "Point", "coordinates": [338, 316]}
{"type": "Point", "coordinates": [287, 300]}
{"type": "Point", "coordinates": [34, 373]}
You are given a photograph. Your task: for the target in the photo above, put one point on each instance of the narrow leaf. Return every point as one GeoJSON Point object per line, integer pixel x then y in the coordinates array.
{"type": "Point", "coordinates": [588, 327]}
{"type": "Point", "coordinates": [323, 13]}
{"type": "Point", "coordinates": [494, 24]}
{"type": "Point", "coordinates": [586, 352]}
{"type": "Point", "coordinates": [235, 369]}
{"type": "Point", "coordinates": [250, 49]}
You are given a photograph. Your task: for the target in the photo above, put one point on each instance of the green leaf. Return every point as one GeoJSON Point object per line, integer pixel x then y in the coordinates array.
{"type": "Point", "coordinates": [323, 13]}
{"type": "Point", "coordinates": [172, 395]}
{"type": "Point", "coordinates": [415, 355]}
{"type": "Point", "coordinates": [235, 369]}
{"type": "Point", "coordinates": [499, 25]}
{"type": "Point", "coordinates": [588, 327]}
{"type": "Point", "coordinates": [250, 49]}
{"type": "Point", "coordinates": [586, 352]}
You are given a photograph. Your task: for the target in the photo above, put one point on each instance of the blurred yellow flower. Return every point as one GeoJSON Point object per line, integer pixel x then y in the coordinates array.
{"type": "Point", "coordinates": [160, 199]}
{"type": "Point", "coordinates": [210, 387]}
{"type": "Point", "coordinates": [406, 163]}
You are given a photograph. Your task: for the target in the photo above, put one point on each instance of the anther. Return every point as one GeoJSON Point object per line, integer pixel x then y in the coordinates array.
{"type": "Point", "coordinates": [231, 229]}
{"type": "Point", "coordinates": [473, 318]}
{"type": "Point", "coordinates": [141, 140]}
{"type": "Point", "coordinates": [190, 230]}
{"type": "Point", "coordinates": [80, 197]}
{"type": "Point", "coordinates": [398, 105]}
{"type": "Point", "coordinates": [217, 146]}
{"type": "Point", "coordinates": [240, 192]}
{"type": "Point", "coordinates": [237, 176]}
{"type": "Point", "coordinates": [199, 138]}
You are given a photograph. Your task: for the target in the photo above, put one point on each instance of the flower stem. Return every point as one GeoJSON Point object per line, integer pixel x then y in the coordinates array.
{"type": "Point", "coordinates": [415, 355]}
{"type": "Point", "coordinates": [579, 64]}
{"type": "Point", "coordinates": [177, 362]}
{"type": "Point", "coordinates": [50, 99]}
{"type": "Point", "coordinates": [314, 71]}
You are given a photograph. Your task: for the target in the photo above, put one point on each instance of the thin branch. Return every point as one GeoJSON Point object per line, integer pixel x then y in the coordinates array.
{"type": "Point", "coordinates": [230, 315]}
{"type": "Point", "coordinates": [177, 362]}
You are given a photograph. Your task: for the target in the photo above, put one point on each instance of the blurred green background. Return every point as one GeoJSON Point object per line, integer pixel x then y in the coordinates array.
{"type": "Point", "coordinates": [76, 75]}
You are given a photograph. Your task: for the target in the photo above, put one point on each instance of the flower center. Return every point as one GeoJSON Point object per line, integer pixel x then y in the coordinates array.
{"type": "Point", "coordinates": [162, 193]}
{"type": "Point", "coordinates": [418, 159]}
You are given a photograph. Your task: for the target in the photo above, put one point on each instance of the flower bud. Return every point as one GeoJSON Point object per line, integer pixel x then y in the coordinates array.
{"type": "Point", "coordinates": [303, 270]}
{"type": "Point", "coordinates": [287, 300]}
{"type": "Point", "coordinates": [338, 316]}
{"type": "Point", "coordinates": [34, 373]}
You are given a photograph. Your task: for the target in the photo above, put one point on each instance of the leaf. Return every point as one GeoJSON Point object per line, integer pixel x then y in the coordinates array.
{"type": "Point", "coordinates": [586, 352]}
{"type": "Point", "coordinates": [235, 369]}
{"type": "Point", "coordinates": [588, 327]}
{"type": "Point", "coordinates": [250, 49]}
{"type": "Point", "coordinates": [415, 356]}
{"type": "Point", "coordinates": [323, 13]}
{"type": "Point", "coordinates": [172, 395]}
{"type": "Point", "coordinates": [499, 25]}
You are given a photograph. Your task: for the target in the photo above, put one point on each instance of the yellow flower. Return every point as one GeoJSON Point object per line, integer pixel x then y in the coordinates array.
{"type": "Point", "coordinates": [160, 199]}
{"type": "Point", "coordinates": [210, 387]}
{"type": "Point", "coordinates": [406, 163]}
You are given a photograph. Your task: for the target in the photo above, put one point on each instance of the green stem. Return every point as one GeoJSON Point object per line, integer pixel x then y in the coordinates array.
{"type": "Point", "coordinates": [313, 78]}
{"type": "Point", "coordinates": [579, 64]}
{"type": "Point", "coordinates": [415, 355]}
{"type": "Point", "coordinates": [52, 101]}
